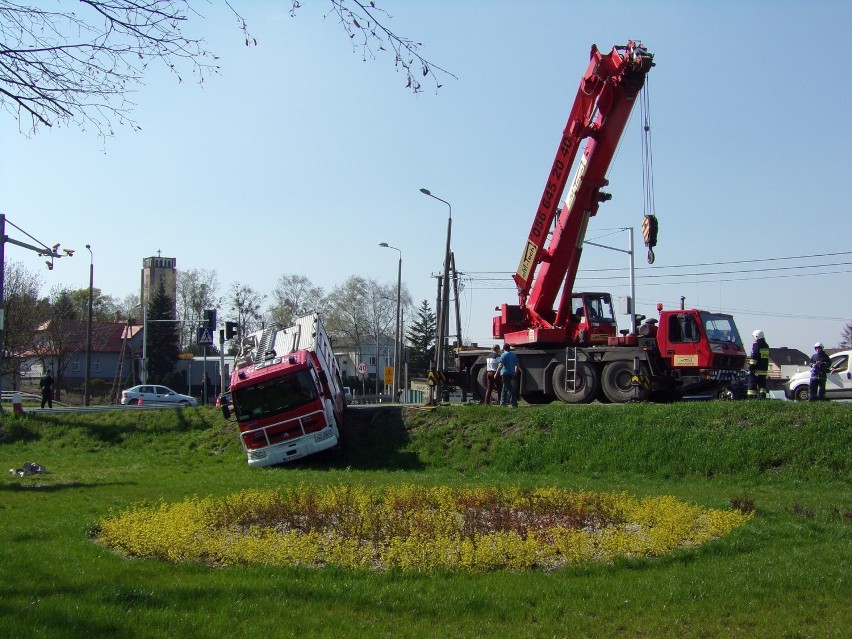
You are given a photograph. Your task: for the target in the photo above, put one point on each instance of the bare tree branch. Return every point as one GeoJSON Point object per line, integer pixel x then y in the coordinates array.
{"type": "Point", "coordinates": [82, 63]}
{"type": "Point", "coordinates": [80, 67]}
{"type": "Point", "coordinates": [364, 23]}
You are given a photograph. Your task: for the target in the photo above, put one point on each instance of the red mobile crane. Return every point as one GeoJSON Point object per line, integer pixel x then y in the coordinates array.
{"type": "Point", "coordinates": [573, 351]}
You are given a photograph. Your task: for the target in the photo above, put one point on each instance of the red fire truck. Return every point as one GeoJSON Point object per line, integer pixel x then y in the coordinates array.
{"type": "Point", "coordinates": [568, 342]}
{"type": "Point", "coordinates": [287, 393]}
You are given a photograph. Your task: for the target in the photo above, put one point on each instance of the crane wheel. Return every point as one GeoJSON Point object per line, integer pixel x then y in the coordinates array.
{"type": "Point", "coordinates": [583, 391]}
{"type": "Point", "coordinates": [617, 383]}
{"type": "Point", "coordinates": [481, 377]}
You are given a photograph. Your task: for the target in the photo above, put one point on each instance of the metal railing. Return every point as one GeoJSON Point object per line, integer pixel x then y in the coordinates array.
{"type": "Point", "coordinates": [264, 430]}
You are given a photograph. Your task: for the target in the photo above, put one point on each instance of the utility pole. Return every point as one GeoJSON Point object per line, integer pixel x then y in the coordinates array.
{"type": "Point", "coordinates": [43, 251]}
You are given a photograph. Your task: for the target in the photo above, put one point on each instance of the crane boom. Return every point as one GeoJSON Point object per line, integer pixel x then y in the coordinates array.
{"type": "Point", "coordinates": [599, 114]}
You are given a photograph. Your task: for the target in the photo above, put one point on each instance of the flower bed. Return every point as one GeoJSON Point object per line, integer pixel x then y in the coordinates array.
{"type": "Point", "coordinates": [412, 527]}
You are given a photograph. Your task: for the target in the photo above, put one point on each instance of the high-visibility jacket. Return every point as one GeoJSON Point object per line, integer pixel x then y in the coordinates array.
{"type": "Point", "coordinates": [758, 361]}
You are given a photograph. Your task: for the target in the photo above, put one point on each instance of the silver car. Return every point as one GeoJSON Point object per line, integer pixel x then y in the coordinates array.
{"type": "Point", "coordinates": [153, 394]}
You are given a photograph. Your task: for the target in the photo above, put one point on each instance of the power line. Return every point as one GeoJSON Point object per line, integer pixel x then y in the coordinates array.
{"type": "Point", "coordinates": [502, 284]}
{"type": "Point", "coordinates": [723, 263]}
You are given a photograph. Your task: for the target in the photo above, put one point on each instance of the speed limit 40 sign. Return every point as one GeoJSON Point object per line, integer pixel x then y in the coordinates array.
{"type": "Point", "coordinates": [362, 369]}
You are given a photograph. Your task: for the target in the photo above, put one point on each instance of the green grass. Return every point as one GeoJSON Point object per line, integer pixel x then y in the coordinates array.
{"type": "Point", "coordinates": [785, 574]}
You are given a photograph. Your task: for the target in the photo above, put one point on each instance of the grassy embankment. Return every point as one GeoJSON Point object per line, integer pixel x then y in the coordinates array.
{"type": "Point", "coordinates": [784, 574]}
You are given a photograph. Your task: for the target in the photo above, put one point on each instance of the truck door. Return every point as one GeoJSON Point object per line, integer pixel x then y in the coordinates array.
{"type": "Point", "coordinates": [680, 340]}
{"type": "Point", "coordinates": [838, 382]}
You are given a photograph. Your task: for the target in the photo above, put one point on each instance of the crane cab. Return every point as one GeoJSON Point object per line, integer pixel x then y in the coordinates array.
{"type": "Point", "coordinates": [592, 319]}
{"type": "Point", "coordinates": [699, 340]}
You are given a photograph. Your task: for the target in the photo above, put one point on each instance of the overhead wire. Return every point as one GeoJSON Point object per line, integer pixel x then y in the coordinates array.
{"type": "Point", "coordinates": [500, 279]}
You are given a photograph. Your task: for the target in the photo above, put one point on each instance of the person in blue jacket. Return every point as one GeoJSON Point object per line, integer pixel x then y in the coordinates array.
{"type": "Point", "coordinates": [508, 370]}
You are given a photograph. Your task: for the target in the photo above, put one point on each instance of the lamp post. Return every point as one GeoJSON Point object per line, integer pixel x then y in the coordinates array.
{"type": "Point", "coordinates": [629, 251]}
{"type": "Point", "coordinates": [87, 386]}
{"type": "Point", "coordinates": [397, 353]}
{"type": "Point", "coordinates": [443, 314]}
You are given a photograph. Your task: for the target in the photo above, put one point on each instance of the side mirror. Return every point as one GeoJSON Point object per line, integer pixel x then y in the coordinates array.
{"type": "Point", "coordinates": [226, 411]}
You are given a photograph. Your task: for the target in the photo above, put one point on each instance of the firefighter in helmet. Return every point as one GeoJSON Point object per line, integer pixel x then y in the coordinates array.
{"type": "Point", "coordinates": [758, 366]}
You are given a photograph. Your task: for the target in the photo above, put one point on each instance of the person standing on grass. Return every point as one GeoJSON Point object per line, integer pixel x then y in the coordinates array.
{"type": "Point", "coordinates": [508, 369]}
{"type": "Point", "coordinates": [46, 386]}
{"type": "Point", "coordinates": [820, 361]}
{"type": "Point", "coordinates": [492, 379]}
{"type": "Point", "coordinates": [758, 366]}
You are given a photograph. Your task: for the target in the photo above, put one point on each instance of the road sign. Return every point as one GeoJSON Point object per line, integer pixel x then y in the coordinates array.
{"type": "Point", "coordinates": [362, 368]}
{"type": "Point", "coordinates": [205, 336]}
{"type": "Point", "coordinates": [389, 375]}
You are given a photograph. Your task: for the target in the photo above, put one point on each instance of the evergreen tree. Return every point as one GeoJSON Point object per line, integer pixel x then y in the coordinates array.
{"type": "Point", "coordinates": [421, 339]}
{"type": "Point", "coordinates": [162, 337]}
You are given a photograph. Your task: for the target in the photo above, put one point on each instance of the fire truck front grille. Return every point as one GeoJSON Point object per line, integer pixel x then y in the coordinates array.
{"type": "Point", "coordinates": [284, 431]}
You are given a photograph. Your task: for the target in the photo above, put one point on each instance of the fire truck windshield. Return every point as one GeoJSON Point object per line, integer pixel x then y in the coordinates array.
{"type": "Point", "coordinates": [274, 396]}
{"type": "Point", "coordinates": [720, 328]}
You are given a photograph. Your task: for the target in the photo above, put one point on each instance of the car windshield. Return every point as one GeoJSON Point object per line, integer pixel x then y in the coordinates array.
{"type": "Point", "coordinates": [721, 328]}
{"type": "Point", "coordinates": [274, 396]}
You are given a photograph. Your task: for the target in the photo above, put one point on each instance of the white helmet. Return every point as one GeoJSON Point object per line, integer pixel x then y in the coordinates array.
{"type": "Point", "coordinates": [818, 345]}
{"type": "Point", "coordinates": [758, 334]}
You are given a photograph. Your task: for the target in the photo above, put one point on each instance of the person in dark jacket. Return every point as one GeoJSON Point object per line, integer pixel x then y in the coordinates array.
{"type": "Point", "coordinates": [758, 367]}
{"type": "Point", "coordinates": [508, 369]}
{"type": "Point", "coordinates": [46, 386]}
{"type": "Point", "coordinates": [820, 361]}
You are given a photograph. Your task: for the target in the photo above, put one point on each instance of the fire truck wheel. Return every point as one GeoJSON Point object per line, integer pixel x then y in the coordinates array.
{"type": "Point", "coordinates": [616, 382]}
{"type": "Point", "coordinates": [584, 390]}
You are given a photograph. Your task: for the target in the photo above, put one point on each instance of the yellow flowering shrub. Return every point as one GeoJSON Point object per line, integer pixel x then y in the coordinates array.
{"type": "Point", "coordinates": [411, 527]}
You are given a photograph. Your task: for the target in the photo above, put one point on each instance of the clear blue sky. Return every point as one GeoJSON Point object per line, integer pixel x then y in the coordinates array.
{"type": "Point", "coordinates": [301, 158]}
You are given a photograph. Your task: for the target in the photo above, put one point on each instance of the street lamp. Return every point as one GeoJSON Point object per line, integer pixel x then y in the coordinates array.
{"type": "Point", "coordinates": [444, 311]}
{"type": "Point", "coordinates": [397, 354]}
{"type": "Point", "coordinates": [87, 386]}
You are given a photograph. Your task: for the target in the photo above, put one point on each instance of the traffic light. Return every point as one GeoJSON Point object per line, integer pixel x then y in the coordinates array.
{"type": "Point", "coordinates": [210, 318]}
{"type": "Point", "coordinates": [230, 329]}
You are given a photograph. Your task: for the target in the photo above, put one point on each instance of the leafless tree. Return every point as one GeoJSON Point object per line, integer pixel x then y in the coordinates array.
{"type": "Point", "coordinates": [380, 305]}
{"type": "Point", "coordinates": [130, 307]}
{"type": "Point", "coordinates": [246, 304]}
{"type": "Point", "coordinates": [347, 320]}
{"type": "Point", "coordinates": [295, 295]}
{"type": "Point", "coordinates": [197, 290]}
{"type": "Point", "coordinates": [21, 313]}
{"type": "Point", "coordinates": [366, 25]}
{"type": "Point", "coordinates": [78, 64]}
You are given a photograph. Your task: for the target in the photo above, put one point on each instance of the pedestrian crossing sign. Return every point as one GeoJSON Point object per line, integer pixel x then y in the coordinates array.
{"type": "Point", "coordinates": [205, 336]}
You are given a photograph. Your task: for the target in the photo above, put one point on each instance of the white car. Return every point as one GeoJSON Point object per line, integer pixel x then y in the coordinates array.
{"type": "Point", "coordinates": [838, 382]}
{"type": "Point", "coordinates": [153, 394]}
